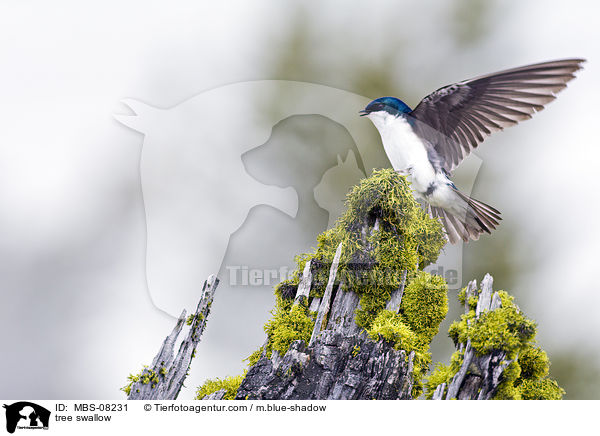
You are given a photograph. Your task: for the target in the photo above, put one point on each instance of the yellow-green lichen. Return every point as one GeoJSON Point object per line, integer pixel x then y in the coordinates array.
{"type": "Point", "coordinates": [375, 261]}
{"type": "Point", "coordinates": [372, 264]}
{"type": "Point", "coordinates": [132, 378]}
{"type": "Point", "coordinates": [254, 357]}
{"type": "Point", "coordinates": [534, 362]}
{"type": "Point", "coordinates": [287, 326]}
{"type": "Point", "coordinates": [390, 327]}
{"type": "Point", "coordinates": [230, 384]}
{"type": "Point", "coordinates": [462, 295]}
{"type": "Point", "coordinates": [425, 305]}
{"type": "Point", "coordinates": [541, 389]}
{"type": "Point", "coordinates": [529, 378]}
{"type": "Point", "coordinates": [145, 376]}
{"type": "Point", "coordinates": [441, 374]}
{"type": "Point", "coordinates": [193, 317]}
{"type": "Point", "coordinates": [504, 329]}
{"type": "Point", "coordinates": [507, 389]}
{"type": "Point", "coordinates": [462, 298]}
{"type": "Point", "coordinates": [472, 302]}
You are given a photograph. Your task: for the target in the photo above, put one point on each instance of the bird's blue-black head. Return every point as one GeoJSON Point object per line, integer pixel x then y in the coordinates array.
{"type": "Point", "coordinates": [391, 105]}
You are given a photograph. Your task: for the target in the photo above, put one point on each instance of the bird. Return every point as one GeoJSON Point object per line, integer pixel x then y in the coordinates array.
{"type": "Point", "coordinates": [427, 143]}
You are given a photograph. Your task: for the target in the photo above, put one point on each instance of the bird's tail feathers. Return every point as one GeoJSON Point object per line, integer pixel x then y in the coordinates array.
{"type": "Point", "coordinates": [472, 220]}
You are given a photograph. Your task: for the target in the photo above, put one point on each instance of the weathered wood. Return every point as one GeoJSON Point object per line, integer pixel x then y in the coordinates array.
{"type": "Point", "coordinates": [335, 367]}
{"type": "Point", "coordinates": [485, 296]}
{"type": "Point", "coordinates": [396, 298]}
{"type": "Point", "coordinates": [439, 392]}
{"type": "Point", "coordinates": [479, 376]}
{"type": "Point", "coordinates": [340, 360]}
{"type": "Point", "coordinates": [305, 284]}
{"type": "Point", "coordinates": [167, 373]}
{"type": "Point", "coordinates": [496, 301]}
{"type": "Point", "coordinates": [314, 304]}
{"type": "Point", "coordinates": [459, 377]}
{"type": "Point", "coordinates": [324, 303]}
{"type": "Point", "coordinates": [471, 289]}
{"type": "Point", "coordinates": [342, 314]}
{"type": "Point", "coordinates": [218, 395]}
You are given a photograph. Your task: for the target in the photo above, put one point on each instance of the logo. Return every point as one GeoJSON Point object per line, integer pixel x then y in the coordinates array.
{"type": "Point", "coordinates": [26, 415]}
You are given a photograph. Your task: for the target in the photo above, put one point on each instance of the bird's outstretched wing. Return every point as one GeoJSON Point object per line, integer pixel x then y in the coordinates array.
{"type": "Point", "coordinates": [455, 119]}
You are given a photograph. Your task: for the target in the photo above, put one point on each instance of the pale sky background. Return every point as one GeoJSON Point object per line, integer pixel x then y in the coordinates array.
{"type": "Point", "coordinates": [75, 316]}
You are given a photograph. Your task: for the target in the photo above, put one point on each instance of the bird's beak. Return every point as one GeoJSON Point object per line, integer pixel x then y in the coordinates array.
{"type": "Point", "coordinates": [363, 113]}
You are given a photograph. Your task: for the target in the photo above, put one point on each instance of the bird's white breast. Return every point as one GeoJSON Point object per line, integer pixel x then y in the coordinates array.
{"type": "Point", "coordinates": [404, 149]}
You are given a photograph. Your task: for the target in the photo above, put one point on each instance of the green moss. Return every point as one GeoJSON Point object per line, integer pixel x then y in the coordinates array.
{"type": "Point", "coordinates": [230, 384]}
{"type": "Point", "coordinates": [533, 381]}
{"type": "Point", "coordinates": [541, 389]}
{"type": "Point", "coordinates": [387, 196]}
{"type": "Point", "coordinates": [424, 305]}
{"type": "Point", "coordinates": [132, 378]}
{"type": "Point", "coordinates": [287, 288]}
{"type": "Point", "coordinates": [397, 330]}
{"type": "Point", "coordinates": [371, 305]}
{"type": "Point", "coordinates": [462, 298]}
{"type": "Point", "coordinates": [421, 363]}
{"type": "Point", "coordinates": [373, 264]}
{"type": "Point", "coordinates": [149, 376]}
{"type": "Point", "coordinates": [190, 319]}
{"type": "Point", "coordinates": [390, 327]}
{"type": "Point", "coordinates": [441, 374]}
{"type": "Point", "coordinates": [287, 326]}
{"type": "Point", "coordinates": [503, 329]}
{"type": "Point", "coordinates": [473, 302]}
{"type": "Point", "coordinates": [145, 376]}
{"type": "Point", "coordinates": [527, 379]}
{"type": "Point", "coordinates": [254, 357]}
{"type": "Point", "coordinates": [507, 389]}
{"type": "Point", "coordinates": [534, 363]}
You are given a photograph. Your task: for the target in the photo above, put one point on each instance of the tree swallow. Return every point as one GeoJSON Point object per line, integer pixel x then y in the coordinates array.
{"type": "Point", "coordinates": [427, 143]}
